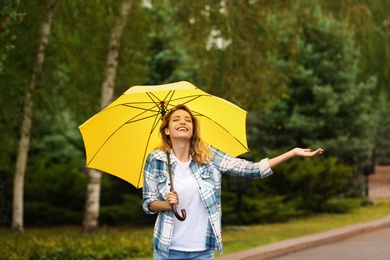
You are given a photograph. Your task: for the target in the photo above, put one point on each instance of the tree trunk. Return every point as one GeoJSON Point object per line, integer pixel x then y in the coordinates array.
{"type": "Point", "coordinates": [90, 223]}
{"type": "Point", "coordinates": [21, 161]}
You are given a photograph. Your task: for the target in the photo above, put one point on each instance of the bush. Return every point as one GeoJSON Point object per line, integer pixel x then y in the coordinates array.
{"type": "Point", "coordinates": [70, 243]}
{"type": "Point", "coordinates": [308, 183]}
{"type": "Point", "coordinates": [342, 205]}
{"type": "Point", "coordinates": [44, 214]}
{"type": "Point", "coordinates": [297, 187]}
{"type": "Point", "coordinates": [54, 193]}
{"type": "Point", "coordinates": [268, 210]}
{"type": "Point", "coordinates": [130, 212]}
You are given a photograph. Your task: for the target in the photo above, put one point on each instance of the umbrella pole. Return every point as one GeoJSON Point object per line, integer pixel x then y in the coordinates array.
{"type": "Point", "coordinates": [174, 206]}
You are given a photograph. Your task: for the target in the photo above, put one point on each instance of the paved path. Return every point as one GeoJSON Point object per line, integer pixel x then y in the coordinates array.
{"type": "Point", "coordinates": [374, 245]}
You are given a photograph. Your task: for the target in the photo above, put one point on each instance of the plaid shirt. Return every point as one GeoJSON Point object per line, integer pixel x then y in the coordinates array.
{"type": "Point", "coordinates": [208, 177]}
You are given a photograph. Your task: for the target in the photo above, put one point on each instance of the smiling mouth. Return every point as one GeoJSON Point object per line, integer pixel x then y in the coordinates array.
{"type": "Point", "coordinates": [182, 129]}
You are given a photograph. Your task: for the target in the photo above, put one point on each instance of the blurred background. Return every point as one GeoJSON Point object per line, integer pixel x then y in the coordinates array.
{"type": "Point", "coordinates": [309, 73]}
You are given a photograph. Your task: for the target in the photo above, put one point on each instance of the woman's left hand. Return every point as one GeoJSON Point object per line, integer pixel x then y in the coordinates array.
{"type": "Point", "coordinates": [306, 152]}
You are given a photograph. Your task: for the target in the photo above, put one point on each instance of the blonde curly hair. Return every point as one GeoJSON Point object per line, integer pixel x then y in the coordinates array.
{"type": "Point", "coordinates": [199, 150]}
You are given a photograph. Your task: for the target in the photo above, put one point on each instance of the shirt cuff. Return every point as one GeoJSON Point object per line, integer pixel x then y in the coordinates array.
{"type": "Point", "coordinates": [265, 169]}
{"type": "Point", "coordinates": [145, 206]}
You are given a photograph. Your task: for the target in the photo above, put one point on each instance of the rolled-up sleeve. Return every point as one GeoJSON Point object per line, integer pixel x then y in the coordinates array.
{"type": "Point", "coordinates": [241, 167]}
{"type": "Point", "coordinates": [265, 169]}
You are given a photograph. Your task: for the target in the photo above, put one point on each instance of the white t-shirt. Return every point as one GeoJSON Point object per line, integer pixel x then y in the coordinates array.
{"type": "Point", "coordinates": [188, 235]}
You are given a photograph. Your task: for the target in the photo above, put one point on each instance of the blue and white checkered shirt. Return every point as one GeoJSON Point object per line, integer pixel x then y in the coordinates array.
{"type": "Point", "coordinates": [208, 177]}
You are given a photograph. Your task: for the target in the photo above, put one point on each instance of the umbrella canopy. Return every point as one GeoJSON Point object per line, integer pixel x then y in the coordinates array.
{"type": "Point", "coordinates": [118, 139]}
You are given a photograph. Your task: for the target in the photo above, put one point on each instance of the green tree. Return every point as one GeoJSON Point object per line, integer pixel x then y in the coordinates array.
{"type": "Point", "coordinates": [324, 104]}
{"type": "Point", "coordinates": [227, 44]}
{"type": "Point", "coordinates": [54, 185]}
{"type": "Point", "coordinates": [78, 67]}
{"type": "Point", "coordinates": [24, 142]}
{"type": "Point", "coordinates": [371, 23]}
{"type": "Point", "coordinates": [220, 46]}
{"type": "Point", "coordinates": [69, 88]}
{"type": "Point", "coordinates": [14, 82]}
{"type": "Point", "coordinates": [92, 204]}
{"type": "Point", "coordinates": [10, 17]}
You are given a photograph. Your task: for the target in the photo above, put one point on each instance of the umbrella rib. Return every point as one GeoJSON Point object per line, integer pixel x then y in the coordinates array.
{"type": "Point", "coordinates": [156, 119]}
{"type": "Point", "coordinates": [163, 104]}
{"type": "Point", "coordinates": [101, 146]}
{"type": "Point", "coordinates": [127, 122]}
{"type": "Point", "coordinates": [193, 97]}
{"type": "Point", "coordinates": [132, 121]}
{"type": "Point", "coordinates": [169, 100]}
{"type": "Point", "coordinates": [133, 105]}
{"type": "Point", "coordinates": [147, 145]}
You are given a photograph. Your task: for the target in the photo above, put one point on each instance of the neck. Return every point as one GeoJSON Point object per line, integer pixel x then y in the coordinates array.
{"type": "Point", "coordinates": [181, 151]}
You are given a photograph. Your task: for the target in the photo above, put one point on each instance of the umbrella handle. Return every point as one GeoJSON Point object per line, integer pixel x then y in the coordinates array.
{"type": "Point", "coordinates": [183, 212]}
{"type": "Point", "coordinates": [174, 206]}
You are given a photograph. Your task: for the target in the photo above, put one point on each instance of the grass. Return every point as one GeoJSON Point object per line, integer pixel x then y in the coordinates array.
{"type": "Point", "coordinates": [136, 242]}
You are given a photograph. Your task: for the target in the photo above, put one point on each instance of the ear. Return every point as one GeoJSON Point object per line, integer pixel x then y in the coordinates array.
{"type": "Point", "coordinates": [166, 131]}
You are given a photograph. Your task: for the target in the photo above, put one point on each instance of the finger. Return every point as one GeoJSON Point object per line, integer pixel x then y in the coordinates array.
{"type": "Point", "coordinates": [318, 151]}
{"type": "Point", "coordinates": [172, 198]}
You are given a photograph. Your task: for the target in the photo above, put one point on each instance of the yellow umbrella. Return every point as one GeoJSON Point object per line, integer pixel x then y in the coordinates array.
{"type": "Point", "coordinates": [119, 138]}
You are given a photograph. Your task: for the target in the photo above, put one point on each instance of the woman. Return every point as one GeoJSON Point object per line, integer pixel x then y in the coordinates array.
{"type": "Point", "coordinates": [197, 170]}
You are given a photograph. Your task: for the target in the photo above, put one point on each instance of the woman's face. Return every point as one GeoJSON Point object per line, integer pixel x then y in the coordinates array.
{"type": "Point", "coordinates": [180, 125]}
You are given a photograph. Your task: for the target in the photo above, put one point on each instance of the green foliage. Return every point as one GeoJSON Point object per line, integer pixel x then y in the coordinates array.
{"type": "Point", "coordinates": [371, 23]}
{"type": "Point", "coordinates": [9, 17]}
{"type": "Point", "coordinates": [71, 243]}
{"type": "Point", "coordinates": [324, 105]}
{"type": "Point", "coordinates": [55, 193]}
{"type": "Point", "coordinates": [130, 212]}
{"type": "Point", "coordinates": [308, 184]}
{"type": "Point", "coordinates": [55, 183]}
{"type": "Point", "coordinates": [268, 209]}
{"type": "Point", "coordinates": [297, 187]}
{"type": "Point", "coordinates": [15, 78]}
{"type": "Point", "coordinates": [76, 57]}
{"type": "Point", "coordinates": [168, 59]}
{"type": "Point", "coordinates": [304, 75]}
{"type": "Point", "coordinates": [45, 214]}
{"type": "Point", "coordinates": [68, 93]}
{"type": "Point", "coordinates": [341, 206]}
